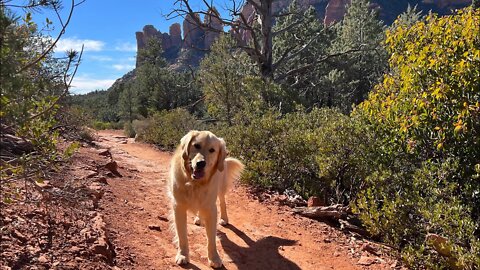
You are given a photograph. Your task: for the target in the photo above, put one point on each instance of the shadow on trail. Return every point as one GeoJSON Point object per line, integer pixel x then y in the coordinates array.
{"type": "Point", "coordinates": [260, 254]}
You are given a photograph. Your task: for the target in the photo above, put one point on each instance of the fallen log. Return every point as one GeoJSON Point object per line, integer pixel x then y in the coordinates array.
{"type": "Point", "coordinates": [345, 225]}
{"type": "Point", "coordinates": [334, 211]}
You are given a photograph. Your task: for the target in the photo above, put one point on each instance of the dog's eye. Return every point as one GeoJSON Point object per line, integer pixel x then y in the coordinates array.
{"type": "Point", "coordinates": [197, 146]}
{"type": "Point", "coordinates": [211, 150]}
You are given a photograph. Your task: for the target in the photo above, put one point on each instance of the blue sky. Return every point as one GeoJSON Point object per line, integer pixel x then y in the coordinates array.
{"type": "Point", "coordinates": [107, 29]}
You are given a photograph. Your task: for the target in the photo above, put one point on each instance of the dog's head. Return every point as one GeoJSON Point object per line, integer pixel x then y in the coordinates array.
{"type": "Point", "coordinates": [203, 153]}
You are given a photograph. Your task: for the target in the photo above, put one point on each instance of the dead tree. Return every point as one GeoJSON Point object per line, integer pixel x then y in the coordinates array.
{"type": "Point", "coordinates": [254, 20]}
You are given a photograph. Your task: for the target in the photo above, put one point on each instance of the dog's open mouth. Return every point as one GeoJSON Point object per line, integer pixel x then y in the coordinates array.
{"type": "Point", "coordinates": [198, 174]}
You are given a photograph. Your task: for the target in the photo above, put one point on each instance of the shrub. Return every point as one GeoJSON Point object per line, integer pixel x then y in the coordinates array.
{"type": "Point", "coordinates": [318, 153]}
{"type": "Point", "coordinates": [99, 125]}
{"type": "Point", "coordinates": [166, 128]}
{"type": "Point", "coordinates": [139, 126]}
{"type": "Point", "coordinates": [128, 130]}
{"type": "Point", "coordinates": [428, 112]}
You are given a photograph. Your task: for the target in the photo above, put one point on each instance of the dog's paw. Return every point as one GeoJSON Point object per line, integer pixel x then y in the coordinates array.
{"type": "Point", "coordinates": [181, 259]}
{"type": "Point", "coordinates": [223, 222]}
{"type": "Point", "coordinates": [196, 221]}
{"type": "Point", "coordinates": [215, 262]}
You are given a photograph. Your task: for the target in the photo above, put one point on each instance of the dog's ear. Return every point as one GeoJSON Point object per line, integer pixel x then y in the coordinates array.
{"type": "Point", "coordinates": [222, 154]}
{"type": "Point", "coordinates": [185, 143]}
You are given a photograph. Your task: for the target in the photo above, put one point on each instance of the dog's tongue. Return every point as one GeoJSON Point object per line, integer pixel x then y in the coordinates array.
{"type": "Point", "coordinates": [197, 174]}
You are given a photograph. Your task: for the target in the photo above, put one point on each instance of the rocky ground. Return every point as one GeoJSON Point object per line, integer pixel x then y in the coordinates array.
{"type": "Point", "coordinates": [108, 209]}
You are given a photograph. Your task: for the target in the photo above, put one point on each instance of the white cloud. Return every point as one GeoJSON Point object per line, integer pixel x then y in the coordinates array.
{"type": "Point", "coordinates": [74, 43]}
{"type": "Point", "coordinates": [85, 84]}
{"type": "Point", "coordinates": [100, 58]}
{"type": "Point", "coordinates": [120, 67]}
{"type": "Point", "coordinates": [126, 47]}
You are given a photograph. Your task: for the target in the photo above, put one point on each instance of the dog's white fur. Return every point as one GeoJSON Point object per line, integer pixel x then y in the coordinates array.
{"type": "Point", "coordinates": [195, 189]}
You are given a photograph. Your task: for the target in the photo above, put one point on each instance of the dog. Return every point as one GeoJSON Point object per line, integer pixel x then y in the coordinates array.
{"type": "Point", "coordinates": [199, 173]}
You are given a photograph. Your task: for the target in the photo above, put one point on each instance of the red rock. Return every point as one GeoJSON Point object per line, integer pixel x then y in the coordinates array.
{"type": "Point", "coordinates": [154, 227]}
{"type": "Point", "coordinates": [43, 184]}
{"type": "Point", "coordinates": [104, 152]}
{"type": "Point", "coordinates": [369, 248]}
{"type": "Point", "coordinates": [112, 166]}
{"type": "Point", "coordinates": [314, 201]}
{"type": "Point", "coordinates": [42, 259]}
{"type": "Point", "coordinates": [102, 180]}
{"type": "Point", "coordinates": [365, 260]}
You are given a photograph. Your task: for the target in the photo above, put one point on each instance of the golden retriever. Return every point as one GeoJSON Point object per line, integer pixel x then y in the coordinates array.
{"type": "Point", "coordinates": [199, 173]}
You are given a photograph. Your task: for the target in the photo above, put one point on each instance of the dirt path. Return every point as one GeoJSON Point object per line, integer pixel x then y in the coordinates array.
{"type": "Point", "coordinates": [261, 235]}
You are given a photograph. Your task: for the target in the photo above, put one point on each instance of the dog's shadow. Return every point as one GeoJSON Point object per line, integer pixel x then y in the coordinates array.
{"type": "Point", "coordinates": [260, 254]}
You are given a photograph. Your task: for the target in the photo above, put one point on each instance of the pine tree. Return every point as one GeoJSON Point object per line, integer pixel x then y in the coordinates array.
{"type": "Point", "coordinates": [220, 77]}
{"type": "Point", "coordinates": [358, 71]}
{"type": "Point", "coordinates": [306, 86]}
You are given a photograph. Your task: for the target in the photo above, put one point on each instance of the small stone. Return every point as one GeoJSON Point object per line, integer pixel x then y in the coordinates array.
{"type": "Point", "coordinates": [365, 260]}
{"type": "Point", "coordinates": [102, 180]}
{"type": "Point", "coordinates": [162, 218]}
{"type": "Point", "coordinates": [43, 184]}
{"type": "Point", "coordinates": [112, 166]}
{"type": "Point", "coordinates": [42, 259]}
{"type": "Point", "coordinates": [75, 250]}
{"type": "Point", "coordinates": [369, 248]}
{"type": "Point", "coordinates": [19, 236]}
{"type": "Point", "coordinates": [91, 174]}
{"type": "Point", "coordinates": [154, 227]}
{"type": "Point", "coordinates": [104, 152]}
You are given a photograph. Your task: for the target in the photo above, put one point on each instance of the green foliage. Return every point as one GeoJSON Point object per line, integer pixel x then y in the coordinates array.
{"type": "Point", "coordinates": [166, 128]}
{"type": "Point", "coordinates": [428, 113]}
{"type": "Point", "coordinates": [358, 71]}
{"type": "Point", "coordinates": [157, 87]}
{"type": "Point", "coordinates": [128, 130]}
{"type": "Point", "coordinates": [320, 153]}
{"type": "Point", "coordinates": [301, 39]}
{"type": "Point", "coordinates": [32, 90]}
{"type": "Point", "coordinates": [221, 77]}
{"type": "Point", "coordinates": [96, 105]}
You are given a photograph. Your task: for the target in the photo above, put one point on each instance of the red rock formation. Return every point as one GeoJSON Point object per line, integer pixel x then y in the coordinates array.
{"type": "Point", "coordinates": [140, 42]}
{"type": "Point", "coordinates": [192, 33]}
{"type": "Point", "coordinates": [176, 34]}
{"type": "Point", "coordinates": [335, 11]}
{"type": "Point", "coordinates": [212, 21]}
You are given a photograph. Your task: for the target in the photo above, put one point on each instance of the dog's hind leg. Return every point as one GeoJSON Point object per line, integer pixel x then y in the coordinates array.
{"type": "Point", "coordinates": [223, 210]}
{"type": "Point", "coordinates": [180, 215]}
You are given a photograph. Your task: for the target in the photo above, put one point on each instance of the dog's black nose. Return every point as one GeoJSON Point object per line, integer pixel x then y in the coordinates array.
{"type": "Point", "coordinates": [201, 164]}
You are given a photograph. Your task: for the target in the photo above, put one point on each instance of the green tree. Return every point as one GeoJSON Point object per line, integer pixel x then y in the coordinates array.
{"type": "Point", "coordinates": [157, 86]}
{"type": "Point", "coordinates": [358, 71]}
{"type": "Point", "coordinates": [306, 85]}
{"type": "Point", "coordinates": [127, 103]}
{"type": "Point", "coordinates": [221, 76]}
{"type": "Point", "coordinates": [408, 18]}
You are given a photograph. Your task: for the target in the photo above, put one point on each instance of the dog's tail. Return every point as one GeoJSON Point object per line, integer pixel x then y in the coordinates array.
{"type": "Point", "coordinates": [233, 171]}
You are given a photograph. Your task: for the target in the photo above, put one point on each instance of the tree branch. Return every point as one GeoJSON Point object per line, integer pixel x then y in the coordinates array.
{"type": "Point", "coordinates": [50, 48]}
{"type": "Point", "coordinates": [313, 64]}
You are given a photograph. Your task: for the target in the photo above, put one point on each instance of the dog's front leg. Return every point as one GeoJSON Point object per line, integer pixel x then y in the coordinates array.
{"type": "Point", "coordinates": [210, 219]}
{"type": "Point", "coordinates": [181, 231]}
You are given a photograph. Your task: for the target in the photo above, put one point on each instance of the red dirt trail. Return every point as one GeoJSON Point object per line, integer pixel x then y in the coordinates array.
{"type": "Point", "coordinates": [261, 235]}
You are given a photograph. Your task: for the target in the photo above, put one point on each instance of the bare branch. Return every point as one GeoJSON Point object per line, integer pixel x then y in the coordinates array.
{"type": "Point", "coordinates": [289, 56]}
{"type": "Point", "coordinates": [67, 81]}
{"type": "Point", "coordinates": [313, 64]}
{"type": "Point", "coordinates": [54, 43]}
